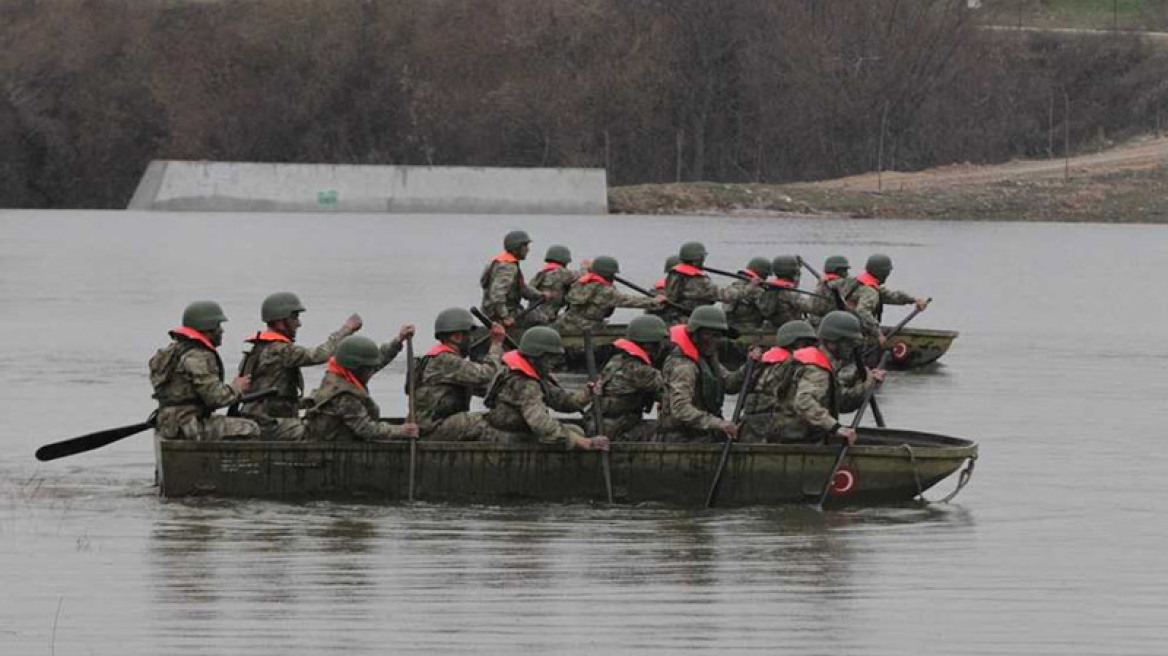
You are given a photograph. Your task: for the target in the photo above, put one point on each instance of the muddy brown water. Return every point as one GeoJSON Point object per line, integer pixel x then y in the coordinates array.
{"type": "Point", "coordinates": [1056, 547]}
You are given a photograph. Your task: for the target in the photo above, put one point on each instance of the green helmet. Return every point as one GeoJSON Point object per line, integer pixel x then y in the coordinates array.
{"type": "Point", "coordinates": [837, 264]}
{"type": "Point", "coordinates": [793, 331]}
{"type": "Point", "coordinates": [539, 341]}
{"type": "Point", "coordinates": [605, 266]}
{"type": "Point", "coordinates": [786, 267]}
{"type": "Point", "coordinates": [280, 305]}
{"type": "Point", "coordinates": [515, 239]}
{"type": "Point", "coordinates": [838, 325]}
{"type": "Point", "coordinates": [647, 328]}
{"type": "Point", "coordinates": [760, 265]}
{"type": "Point", "coordinates": [453, 320]}
{"type": "Point", "coordinates": [671, 262]}
{"type": "Point", "coordinates": [558, 253]}
{"type": "Point", "coordinates": [692, 252]}
{"type": "Point", "coordinates": [879, 265]}
{"type": "Point", "coordinates": [708, 317]}
{"type": "Point", "coordinates": [357, 351]}
{"type": "Point", "coordinates": [203, 315]}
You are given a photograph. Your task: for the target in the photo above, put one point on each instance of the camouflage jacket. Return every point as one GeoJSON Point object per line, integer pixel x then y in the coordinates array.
{"type": "Point", "coordinates": [773, 381]}
{"type": "Point", "coordinates": [446, 381]}
{"type": "Point", "coordinates": [867, 301]}
{"type": "Point", "coordinates": [630, 386]}
{"type": "Point", "coordinates": [821, 306]}
{"type": "Point", "coordinates": [275, 364]}
{"type": "Point", "coordinates": [503, 288]}
{"type": "Point", "coordinates": [555, 279]}
{"type": "Point", "coordinates": [344, 412]}
{"type": "Point", "coordinates": [694, 393]}
{"type": "Point", "coordinates": [691, 291]}
{"type": "Point", "coordinates": [591, 301]}
{"type": "Point", "coordinates": [822, 391]}
{"type": "Point", "coordinates": [745, 312]}
{"type": "Point", "coordinates": [187, 377]}
{"type": "Point", "coordinates": [519, 403]}
{"type": "Point", "coordinates": [780, 306]}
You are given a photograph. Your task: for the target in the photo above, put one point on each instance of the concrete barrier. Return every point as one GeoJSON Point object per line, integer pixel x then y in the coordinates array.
{"type": "Point", "coordinates": [253, 187]}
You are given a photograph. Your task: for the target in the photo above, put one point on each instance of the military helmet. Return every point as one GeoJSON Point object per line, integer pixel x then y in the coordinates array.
{"type": "Point", "coordinates": [708, 317]}
{"type": "Point", "coordinates": [203, 315]}
{"type": "Point", "coordinates": [515, 239]}
{"type": "Point", "coordinates": [793, 331]}
{"type": "Point", "coordinates": [605, 266]}
{"type": "Point", "coordinates": [453, 320]}
{"type": "Point", "coordinates": [558, 253]}
{"type": "Point", "coordinates": [646, 328]}
{"type": "Point", "coordinates": [838, 325]}
{"type": "Point", "coordinates": [760, 265]}
{"type": "Point", "coordinates": [879, 265]}
{"type": "Point", "coordinates": [357, 351]}
{"type": "Point", "coordinates": [692, 252]}
{"type": "Point", "coordinates": [539, 341]}
{"type": "Point", "coordinates": [837, 264]}
{"type": "Point", "coordinates": [671, 262]}
{"type": "Point", "coordinates": [281, 305]}
{"type": "Point", "coordinates": [786, 266]}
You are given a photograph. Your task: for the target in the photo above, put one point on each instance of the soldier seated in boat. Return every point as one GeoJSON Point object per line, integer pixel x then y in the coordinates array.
{"type": "Point", "coordinates": [778, 304]}
{"type": "Point", "coordinates": [670, 262]}
{"type": "Point", "coordinates": [446, 379]}
{"type": "Point", "coordinates": [522, 393]}
{"type": "Point", "coordinates": [341, 409]}
{"type": "Point", "coordinates": [866, 296]}
{"type": "Point", "coordinates": [745, 313]}
{"type": "Point", "coordinates": [592, 299]}
{"type": "Point", "coordinates": [688, 285]}
{"type": "Point", "coordinates": [502, 280]}
{"type": "Point", "coordinates": [553, 281]}
{"type": "Point", "coordinates": [187, 377]}
{"type": "Point", "coordinates": [275, 360]}
{"type": "Point", "coordinates": [835, 275]}
{"type": "Point", "coordinates": [696, 382]}
{"type": "Point", "coordinates": [762, 419]}
{"type": "Point", "coordinates": [821, 391]}
{"type": "Point", "coordinates": [631, 381]}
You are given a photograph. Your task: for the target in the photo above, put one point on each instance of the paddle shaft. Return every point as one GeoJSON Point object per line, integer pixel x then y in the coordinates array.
{"type": "Point", "coordinates": [739, 405]}
{"type": "Point", "coordinates": [766, 283]}
{"type": "Point", "coordinates": [898, 327]}
{"type": "Point", "coordinates": [859, 416]}
{"type": "Point", "coordinates": [862, 369]}
{"type": "Point", "coordinates": [411, 416]}
{"type": "Point", "coordinates": [486, 321]}
{"type": "Point", "coordinates": [637, 288]}
{"type": "Point", "coordinates": [597, 414]}
{"type": "Point", "coordinates": [840, 304]}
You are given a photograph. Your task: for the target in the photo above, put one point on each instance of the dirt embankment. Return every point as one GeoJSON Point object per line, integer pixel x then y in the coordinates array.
{"type": "Point", "coordinates": [1127, 184]}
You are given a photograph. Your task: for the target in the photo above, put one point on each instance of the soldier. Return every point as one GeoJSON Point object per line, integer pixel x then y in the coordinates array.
{"type": "Point", "coordinates": [446, 379]}
{"type": "Point", "coordinates": [688, 285]}
{"type": "Point", "coordinates": [695, 382]}
{"type": "Point", "coordinates": [866, 296]}
{"type": "Point", "coordinates": [670, 262]}
{"type": "Point", "coordinates": [523, 391]}
{"type": "Point", "coordinates": [502, 280]}
{"type": "Point", "coordinates": [341, 408]}
{"type": "Point", "coordinates": [274, 362]}
{"type": "Point", "coordinates": [835, 274]}
{"type": "Point", "coordinates": [593, 299]}
{"type": "Point", "coordinates": [553, 281]}
{"type": "Point", "coordinates": [631, 382]}
{"type": "Point", "coordinates": [779, 305]}
{"type": "Point", "coordinates": [187, 377]}
{"type": "Point", "coordinates": [762, 421]}
{"type": "Point", "coordinates": [744, 313]}
{"type": "Point", "coordinates": [820, 393]}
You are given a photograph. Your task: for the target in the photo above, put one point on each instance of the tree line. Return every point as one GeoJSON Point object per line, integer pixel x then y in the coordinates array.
{"type": "Point", "coordinates": [654, 90]}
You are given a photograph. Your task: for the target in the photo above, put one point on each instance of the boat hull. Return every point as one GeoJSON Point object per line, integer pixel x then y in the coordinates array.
{"type": "Point", "coordinates": [878, 470]}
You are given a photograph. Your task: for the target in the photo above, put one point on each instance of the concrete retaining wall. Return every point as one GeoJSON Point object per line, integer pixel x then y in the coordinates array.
{"type": "Point", "coordinates": [243, 187]}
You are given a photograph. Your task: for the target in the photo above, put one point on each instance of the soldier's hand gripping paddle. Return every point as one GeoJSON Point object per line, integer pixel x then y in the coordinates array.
{"type": "Point", "coordinates": [597, 415]}
{"type": "Point", "coordinates": [843, 452]}
{"type": "Point", "coordinates": [99, 439]}
{"type": "Point", "coordinates": [641, 290]}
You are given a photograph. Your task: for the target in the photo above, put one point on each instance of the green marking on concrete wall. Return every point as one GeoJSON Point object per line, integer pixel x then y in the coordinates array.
{"type": "Point", "coordinates": [327, 198]}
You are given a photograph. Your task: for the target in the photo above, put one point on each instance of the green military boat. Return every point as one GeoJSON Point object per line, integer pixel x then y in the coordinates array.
{"type": "Point", "coordinates": [885, 466]}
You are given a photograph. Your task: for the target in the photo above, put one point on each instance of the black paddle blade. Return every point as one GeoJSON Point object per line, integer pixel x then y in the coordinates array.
{"type": "Point", "coordinates": [89, 442]}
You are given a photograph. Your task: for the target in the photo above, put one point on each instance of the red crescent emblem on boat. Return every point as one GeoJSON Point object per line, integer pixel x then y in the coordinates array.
{"type": "Point", "coordinates": [843, 482]}
{"type": "Point", "coordinates": [900, 351]}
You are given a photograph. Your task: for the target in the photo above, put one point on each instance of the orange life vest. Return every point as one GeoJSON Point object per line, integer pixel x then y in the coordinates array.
{"type": "Point", "coordinates": [191, 333]}
{"type": "Point", "coordinates": [680, 336]}
{"type": "Point", "coordinates": [550, 266]}
{"type": "Point", "coordinates": [267, 336]}
{"type": "Point", "coordinates": [336, 368]}
{"type": "Point", "coordinates": [633, 349]}
{"type": "Point", "coordinates": [516, 362]}
{"type": "Point", "coordinates": [775, 355]}
{"type": "Point", "coordinates": [505, 256]}
{"type": "Point", "coordinates": [593, 277]}
{"type": "Point", "coordinates": [440, 348]}
{"type": "Point", "coordinates": [828, 277]}
{"type": "Point", "coordinates": [688, 270]}
{"type": "Point", "coordinates": [813, 355]}
{"type": "Point", "coordinates": [868, 280]}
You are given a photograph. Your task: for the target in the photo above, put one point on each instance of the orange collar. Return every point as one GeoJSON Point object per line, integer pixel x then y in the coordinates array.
{"type": "Point", "coordinates": [751, 273]}
{"type": "Point", "coordinates": [506, 256]}
{"type": "Point", "coordinates": [782, 282]}
{"type": "Point", "coordinates": [868, 280]}
{"type": "Point", "coordinates": [814, 355]}
{"type": "Point", "coordinates": [336, 368]}
{"type": "Point", "coordinates": [680, 336]}
{"type": "Point", "coordinates": [267, 336]}
{"type": "Point", "coordinates": [688, 270]}
{"type": "Point", "coordinates": [191, 333]}
{"type": "Point", "coordinates": [516, 362]}
{"type": "Point", "coordinates": [441, 348]}
{"type": "Point", "coordinates": [593, 277]}
{"type": "Point", "coordinates": [776, 354]}
{"type": "Point", "coordinates": [551, 266]}
{"type": "Point", "coordinates": [828, 277]}
{"type": "Point", "coordinates": [633, 349]}
{"type": "Point", "coordinates": [660, 284]}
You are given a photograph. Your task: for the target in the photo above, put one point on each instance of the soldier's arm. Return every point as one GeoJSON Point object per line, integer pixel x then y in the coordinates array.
{"type": "Point", "coordinates": [529, 401]}
{"type": "Point", "coordinates": [561, 399]}
{"type": "Point", "coordinates": [294, 355]}
{"type": "Point", "coordinates": [731, 380]}
{"type": "Point", "coordinates": [894, 297]}
{"type": "Point", "coordinates": [454, 370]}
{"type": "Point", "coordinates": [813, 384]}
{"type": "Point", "coordinates": [851, 388]}
{"type": "Point", "coordinates": [679, 390]}
{"type": "Point", "coordinates": [357, 419]}
{"type": "Point", "coordinates": [204, 374]}
{"type": "Point", "coordinates": [389, 351]}
{"type": "Point", "coordinates": [622, 300]}
{"type": "Point", "coordinates": [734, 292]}
{"type": "Point", "coordinates": [647, 379]}
{"type": "Point", "coordinates": [866, 301]}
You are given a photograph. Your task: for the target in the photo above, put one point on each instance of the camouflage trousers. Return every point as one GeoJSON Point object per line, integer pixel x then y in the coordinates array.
{"type": "Point", "coordinates": [509, 437]}
{"type": "Point", "coordinates": [282, 429]}
{"type": "Point", "coordinates": [776, 428]}
{"type": "Point", "coordinates": [205, 429]}
{"type": "Point", "coordinates": [461, 427]}
{"type": "Point", "coordinates": [675, 433]}
{"type": "Point", "coordinates": [629, 428]}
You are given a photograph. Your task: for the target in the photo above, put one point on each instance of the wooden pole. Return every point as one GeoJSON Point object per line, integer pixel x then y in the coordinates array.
{"type": "Point", "coordinates": [880, 151]}
{"type": "Point", "coordinates": [1067, 136]}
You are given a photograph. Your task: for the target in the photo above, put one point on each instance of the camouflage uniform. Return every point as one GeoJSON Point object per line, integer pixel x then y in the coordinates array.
{"type": "Point", "coordinates": [762, 420]}
{"type": "Point", "coordinates": [592, 300]}
{"type": "Point", "coordinates": [631, 386]}
{"type": "Point", "coordinates": [866, 298]}
{"type": "Point", "coordinates": [822, 390]}
{"type": "Point", "coordinates": [745, 312]}
{"type": "Point", "coordinates": [343, 411]}
{"type": "Point", "coordinates": [555, 278]}
{"type": "Point", "coordinates": [689, 287]}
{"type": "Point", "coordinates": [504, 287]}
{"type": "Point", "coordinates": [821, 306]}
{"type": "Point", "coordinates": [519, 406]}
{"type": "Point", "coordinates": [779, 306]}
{"type": "Point", "coordinates": [446, 382]}
{"type": "Point", "coordinates": [188, 383]}
{"type": "Point", "coordinates": [695, 388]}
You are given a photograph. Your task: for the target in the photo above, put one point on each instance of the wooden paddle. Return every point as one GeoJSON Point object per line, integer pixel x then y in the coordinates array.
{"type": "Point", "coordinates": [843, 452]}
{"type": "Point", "coordinates": [637, 288]}
{"type": "Point", "coordinates": [597, 415]}
{"type": "Point", "coordinates": [897, 328]}
{"type": "Point", "coordinates": [483, 319]}
{"type": "Point", "coordinates": [739, 404]}
{"type": "Point", "coordinates": [99, 439]}
{"type": "Point", "coordinates": [411, 415]}
{"type": "Point", "coordinates": [766, 283]}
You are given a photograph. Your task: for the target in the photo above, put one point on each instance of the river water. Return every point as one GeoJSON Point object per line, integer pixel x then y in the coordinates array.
{"type": "Point", "coordinates": [1056, 547]}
